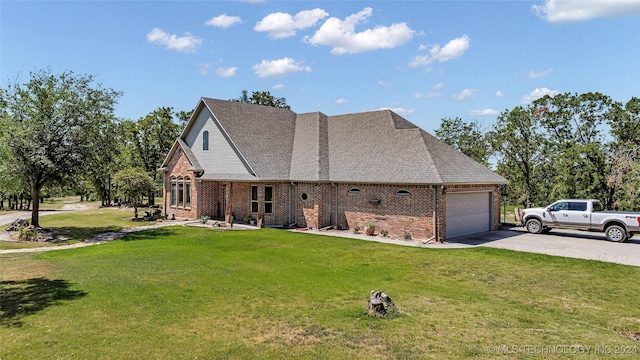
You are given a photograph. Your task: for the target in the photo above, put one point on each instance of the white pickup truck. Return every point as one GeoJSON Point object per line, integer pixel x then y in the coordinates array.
{"type": "Point", "coordinates": [583, 215]}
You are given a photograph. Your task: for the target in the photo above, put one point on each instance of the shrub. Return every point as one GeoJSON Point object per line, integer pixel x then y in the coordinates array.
{"type": "Point", "coordinates": [384, 233]}
{"type": "Point", "coordinates": [407, 235]}
{"type": "Point", "coordinates": [28, 234]}
{"type": "Point", "coordinates": [356, 229]}
{"type": "Point", "coordinates": [203, 219]}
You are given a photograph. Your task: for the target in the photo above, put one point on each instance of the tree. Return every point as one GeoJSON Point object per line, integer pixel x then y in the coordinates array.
{"type": "Point", "coordinates": [184, 117]}
{"type": "Point", "coordinates": [468, 138]}
{"type": "Point", "coordinates": [133, 184]}
{"type": "Point", "coordinates": [266, 99]}
{"type": "Point", "coordinates": [103, 161]}
{"type": "Point", "coordinates": [575, 143]}
{"type": "Point", "coordinates": [518, 141]}
{"type": "Point", "coordinates": [46, 122]}
{"type": "Point", "coordinates": [624, 179]}
{"type": "Point", "coordinates": [152, 139]}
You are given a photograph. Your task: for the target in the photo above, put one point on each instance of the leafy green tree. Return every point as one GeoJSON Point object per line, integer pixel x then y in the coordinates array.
{"type": "Point", "coordinates": [103, 162]}
{"type": "Point", "coordinates": [152, 138]}
{"type": "Point", "coordinates": [46, 122]}
{"type": "Point", "coordinates": [518, 141]}
{"type": "Point", "coordinates": [575, 143]}
{"type": "Point", "coordinates": [467, 137]}
{"type": "Point", "coordinates": [133, 184]}
{"type": "Point", "coordinates": [184, 117]}
{"type": "Point", "coordinates": [266, 99]}
{"type": "Point", "coordinates": [624, 179]}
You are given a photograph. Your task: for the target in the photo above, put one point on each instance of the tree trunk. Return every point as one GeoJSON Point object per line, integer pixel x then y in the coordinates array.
{"type": "Point", "coordinates": [35, 195]}
{"type": "Point", "coordinates": [109, 189]}
{"type": "Point", "coordinates": [135, 210]}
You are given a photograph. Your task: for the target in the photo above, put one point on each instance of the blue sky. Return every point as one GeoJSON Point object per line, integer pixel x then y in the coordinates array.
{"type": "Point", "coordinates": [425, 60]}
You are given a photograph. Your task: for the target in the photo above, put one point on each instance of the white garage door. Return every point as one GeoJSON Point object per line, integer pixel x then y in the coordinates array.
{"type": "Point", "coordinates": [468, 213]}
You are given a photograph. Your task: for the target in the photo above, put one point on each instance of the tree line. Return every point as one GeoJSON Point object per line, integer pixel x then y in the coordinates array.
{"type": "Point", "coordinates": [59, 136]}
{"type": "Point", "coordinates": [565, 146]}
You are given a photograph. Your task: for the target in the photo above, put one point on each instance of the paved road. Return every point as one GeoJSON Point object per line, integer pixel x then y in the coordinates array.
{"type": "Point", "coordinates": [567, 243]}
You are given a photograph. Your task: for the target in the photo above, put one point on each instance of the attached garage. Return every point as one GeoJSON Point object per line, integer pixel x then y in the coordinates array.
{"type": "Point", "coordinates": [468, 213]}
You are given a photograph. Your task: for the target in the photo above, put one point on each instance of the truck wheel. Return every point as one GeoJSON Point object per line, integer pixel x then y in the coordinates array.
{"type": "Point", "coordinates": [534, 226]}
{"type": "Point", "coordinates": [616, 233]}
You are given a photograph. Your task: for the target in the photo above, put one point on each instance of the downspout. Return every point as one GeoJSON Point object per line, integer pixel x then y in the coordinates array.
{"type": "Point", "coordinates": [294, 203]}
{"type": "Point", "coordinates": [435, 212]}
{"type": "Point", "coordinates": [336, 205]}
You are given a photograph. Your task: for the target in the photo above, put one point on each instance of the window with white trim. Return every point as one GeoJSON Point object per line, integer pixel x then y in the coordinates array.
{"type": "Point", "coordinates": [205, 140]}
{"type": "Point", "coordinates": [173, 191]}
{"type": "Point", "coordinates": [187, 192]}
{"type": "Point", "coordinates": [180, 192]}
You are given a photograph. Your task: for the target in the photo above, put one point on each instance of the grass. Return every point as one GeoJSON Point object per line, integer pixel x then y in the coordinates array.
{"type": "Point", "coordinates": [185, 293]}
{"type": "Point", "coordinates": [80, 226]}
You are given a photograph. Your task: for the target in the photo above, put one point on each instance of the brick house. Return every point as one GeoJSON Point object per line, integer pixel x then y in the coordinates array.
{"type": "Point", "coordinates": [313, 170]}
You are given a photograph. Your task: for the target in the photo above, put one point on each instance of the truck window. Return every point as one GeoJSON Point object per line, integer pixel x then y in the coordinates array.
{"type": "Point", "coordinates": [578, 206]}
{"type": "Point", "coordinates": [560, 206]}
{"type": "Point", "coordinates": [597, 206]}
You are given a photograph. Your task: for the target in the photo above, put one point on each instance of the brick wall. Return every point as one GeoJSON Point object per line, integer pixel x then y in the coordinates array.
{"type": "Point", "coordinates": [379, 204]}
{"type": "Point", "coordinates": [177, 167]}
{"type": "Point", "coordinates": [209, 194]}
{"type": "Point", "coordinates": [326, 204]}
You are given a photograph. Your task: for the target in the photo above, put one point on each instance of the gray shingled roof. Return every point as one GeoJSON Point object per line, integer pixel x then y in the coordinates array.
{"type": "Point", "coordinates": [369, 147]}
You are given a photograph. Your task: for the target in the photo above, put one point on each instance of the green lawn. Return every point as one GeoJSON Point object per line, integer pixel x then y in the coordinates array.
{"type": "Point", "coordinates": [81, 225]}
{"type": "Point", "coordinates": [187, 293]}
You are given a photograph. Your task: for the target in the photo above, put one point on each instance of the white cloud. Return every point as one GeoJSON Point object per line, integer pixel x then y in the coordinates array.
{"type": "Point", "coordinates": [277, 87]}
{"type": "Point", "coordinates": [224, 21]}
{"type": "Point", "coordinates": [571, 10]}
{"type": "Point", "coordinates": [204, 68]}
{"type": "Point", "coordinates": [430, 95]}
{"type": "Point", "coordinates": [341, 101]}
{"type": "Point", "coordinates": [485, 112]}
{"type": "Point", "coordinates": [399, 110]}
{"type": "Point", "coordinates": [537, 94]}
{"type": "Point", "coordinates": [452, 50]}
{"type": "Point", "coordinates": [499, 93]}
{"type": "Point", "coordinates": [282, 25]}
{"type": "Point", "coordinates": [382, 83]}
{"type": "Point", "coordinates": [438, 86]}
{"type": "Point", "coordinates": [227, 72]}
{"type": "Point", "coordinates": [186, 44]}
{"type": "Point", "coordinates": [465, 94]}
{"type": "Point", "coordinates": [279, 68]}
{"type": "Point", "coordinates": [342, 37]}
{"type": "Point", "coordinates": [535, 75]}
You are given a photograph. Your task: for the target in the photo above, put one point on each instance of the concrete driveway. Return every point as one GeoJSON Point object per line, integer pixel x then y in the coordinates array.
{"type": "Point", "coordinates": [561, 242]}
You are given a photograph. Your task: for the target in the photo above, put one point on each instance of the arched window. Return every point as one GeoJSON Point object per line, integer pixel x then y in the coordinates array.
{"type": "Point", "coordinates": [205, 140]}
{"type": "Point", "coordinates": [403, 193]}
{"type": "Point", "coordinates": [354, 191]}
